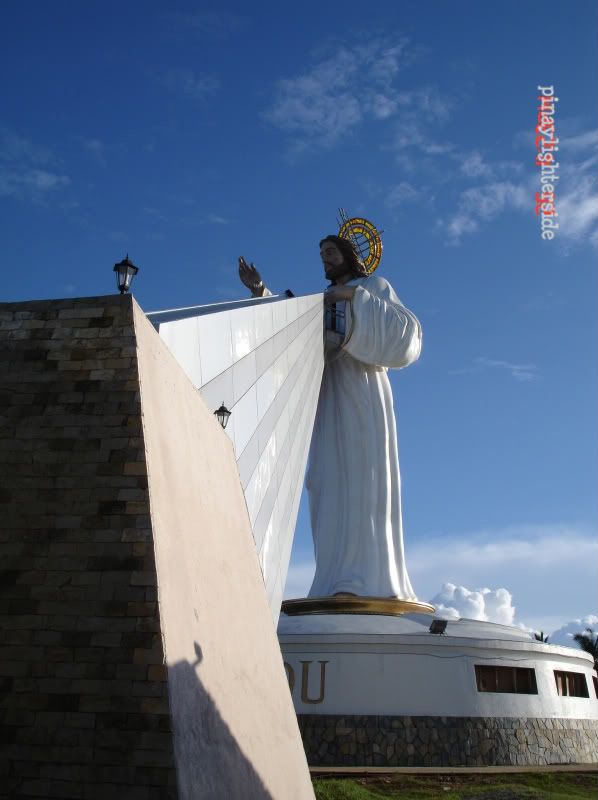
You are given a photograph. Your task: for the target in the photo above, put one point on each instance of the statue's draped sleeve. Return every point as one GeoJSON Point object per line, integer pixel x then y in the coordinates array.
{"type": "Point", "coordinates": [380, 330]}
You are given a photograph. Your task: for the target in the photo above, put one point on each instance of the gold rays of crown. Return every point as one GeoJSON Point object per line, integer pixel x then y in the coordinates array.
{"type": "Point", "coordinates": [364, 236]}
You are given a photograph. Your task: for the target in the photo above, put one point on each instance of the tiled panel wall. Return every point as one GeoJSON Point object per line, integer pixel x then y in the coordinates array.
{"type": "Point", "coordinates": [264, 360]}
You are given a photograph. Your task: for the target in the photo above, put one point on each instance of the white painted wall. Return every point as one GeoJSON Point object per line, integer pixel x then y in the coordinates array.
{"type": "Point", "coordinates": [394, 666]}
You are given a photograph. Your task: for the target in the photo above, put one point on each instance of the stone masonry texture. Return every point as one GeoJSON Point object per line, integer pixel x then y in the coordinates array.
{"type": "Point", "coordinates": [84, 706]}
{"type": "Point", "coordinates": [446, 741]}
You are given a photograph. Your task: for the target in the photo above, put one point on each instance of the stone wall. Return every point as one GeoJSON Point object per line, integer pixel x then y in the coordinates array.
{"type": "Point", "coordinates": [365, 741]}
{"type": "Point", "coordinates": [84, 709]}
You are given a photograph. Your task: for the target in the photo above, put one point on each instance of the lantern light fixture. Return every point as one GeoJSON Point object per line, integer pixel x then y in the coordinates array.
{"type": "Point", "coordinates": [125, 272]}
{"type": "Point", "coordinates": [222, 414]}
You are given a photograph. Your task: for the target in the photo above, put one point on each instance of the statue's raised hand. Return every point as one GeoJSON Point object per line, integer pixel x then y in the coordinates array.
{"type": "Point", "coordinates": [251, 277]}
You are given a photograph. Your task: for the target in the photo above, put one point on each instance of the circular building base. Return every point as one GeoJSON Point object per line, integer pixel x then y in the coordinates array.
{"type": "Point", "coordinates": [389, 689]}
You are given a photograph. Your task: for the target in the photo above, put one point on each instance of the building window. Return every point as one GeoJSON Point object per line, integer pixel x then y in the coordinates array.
{"type": "Point", "coordinates": [571, 684]}
{"type": "Point", "coordinates": [514, 680]}
{"type": "Point", "coordinates": [595, 681]}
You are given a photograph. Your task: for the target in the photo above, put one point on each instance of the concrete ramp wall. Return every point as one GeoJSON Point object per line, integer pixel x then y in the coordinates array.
{"type": "Point", "coordinates": [235, 730]}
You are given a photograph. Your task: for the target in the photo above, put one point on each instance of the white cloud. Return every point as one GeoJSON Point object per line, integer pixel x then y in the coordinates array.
{"type": "Point", "coordinates": [320, 105]}
{"type": "Point", "coordinates": [459, 225]}
{"type": "Point", "coordinates": [453, 602]}
{"type": "Point", "coordinates": [543, 300]}
{"type": "Point", "coordinates": [25, 168]}
{"type": "Point", "coordinates": [206, 24]}
{"type": "Point", "coordinates": [564, 634]}
{"type": "Point", "coordinates": [577, 204]}
{"type": "Point", "coordinates": [190, 84]}
{"type": "Point", "coordinates": [40, 179]}
{"type": "Point", "coordinates": [31, 183]}
{"type": "Point", "coordinates": [17, 148]}
{"type": "Point", "coordinates": [411, 132]}
{"type": "Point", "coordinates": [582, 141]}
{"type": "Point", "coordinates": [427, 102]}
{"type": "Point", "coordinates": [473, 165]}
{"type": "Point", "coordinates": [550, 570]}
{"type": "Point", "coordinates": [351, 86]}
{"type": "Point", "coordinates": [337, 93]}
{"type": "Point", "coordinates": [521, 372]}
{"type": "Point", "coordinates": [382, 106]}
{"type": "Point", "coordinates": [483, 204]}
{"type": "Point", "coordinates": [153, 212]}
{"type": "Point", "coordinates": [401, 193]}
{"type": "Point", "coordinates": [576, 194]}
{"type": "Point", "coordinates": [384, 64]}
{"type": "Point", "coordinates": [488, 201]}
{"type": "Point", "coordinates": [524, 139]}
{"type": "Point", "coordinates": [484, 604]}
{"type": "Point", "coordinates": [97, 148]}
{"type": "Point", "coordinates": [421, 112]}
{"type": "Point", "coordinates": [544, 546]}
{"type": "Point", "coordinates": [216, 219]}
{"type": "Point", "coordinates": [576, 190]}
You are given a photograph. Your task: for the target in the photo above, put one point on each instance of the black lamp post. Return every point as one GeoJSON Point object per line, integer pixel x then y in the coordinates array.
{"type": "Point", "coordinates": [125, 272]}
{"type": "Point", "coordinates": [222, 414]}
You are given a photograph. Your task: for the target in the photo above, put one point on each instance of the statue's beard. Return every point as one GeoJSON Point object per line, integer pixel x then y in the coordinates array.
{"type": "Point", "coordinates": [334, 271]}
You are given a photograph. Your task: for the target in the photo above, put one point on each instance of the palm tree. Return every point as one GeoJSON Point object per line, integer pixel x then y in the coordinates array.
{"type": "Point", "coordinates": [588, 641]}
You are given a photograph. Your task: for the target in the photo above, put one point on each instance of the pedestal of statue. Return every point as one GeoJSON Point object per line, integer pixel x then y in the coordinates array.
{"type": "Point", "coordinates": [379, 689]}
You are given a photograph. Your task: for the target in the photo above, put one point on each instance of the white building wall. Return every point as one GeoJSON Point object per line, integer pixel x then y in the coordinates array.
{"type": "Point", "coordinates": [394, 666]}
{"type": "Point", "coordinates": [263, 359]}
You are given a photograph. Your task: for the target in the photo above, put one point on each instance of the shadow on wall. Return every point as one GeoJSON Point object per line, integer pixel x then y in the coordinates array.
{"type": "Point", "coordinates": [210, 763]}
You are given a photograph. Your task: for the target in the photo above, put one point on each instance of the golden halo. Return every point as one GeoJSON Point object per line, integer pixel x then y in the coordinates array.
{"type": "Point", "coordinates": [365, 237]}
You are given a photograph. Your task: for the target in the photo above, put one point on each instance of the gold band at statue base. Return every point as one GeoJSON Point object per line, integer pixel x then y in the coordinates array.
{"type": "Point", "coordinates": [353, 604]}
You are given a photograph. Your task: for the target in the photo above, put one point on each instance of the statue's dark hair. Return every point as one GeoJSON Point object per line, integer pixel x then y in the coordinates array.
{"type": "Point", "coordinates": [349, 253]}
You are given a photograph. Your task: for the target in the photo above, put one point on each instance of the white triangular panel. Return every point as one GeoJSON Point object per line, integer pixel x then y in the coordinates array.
{"type": "Point", "coordinates": [263, 359]}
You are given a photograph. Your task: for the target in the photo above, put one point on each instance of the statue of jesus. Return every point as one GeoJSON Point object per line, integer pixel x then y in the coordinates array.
{"type": "Point", "coordinates": [353, 477]}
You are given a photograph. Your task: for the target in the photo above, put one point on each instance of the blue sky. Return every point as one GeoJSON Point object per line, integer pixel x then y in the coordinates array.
{"type": "Point", "coordinates": [189, 133]}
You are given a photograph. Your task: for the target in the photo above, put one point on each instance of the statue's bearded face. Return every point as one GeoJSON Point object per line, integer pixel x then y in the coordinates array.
{"type": "Point", "coordinates": [333, 260]}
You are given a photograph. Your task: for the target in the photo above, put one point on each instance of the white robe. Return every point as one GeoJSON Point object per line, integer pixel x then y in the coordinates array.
{"type": "Point", "coordinates": [353, 477]}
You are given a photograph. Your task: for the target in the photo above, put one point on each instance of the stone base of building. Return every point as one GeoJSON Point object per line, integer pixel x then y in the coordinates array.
{"type": "Point", "coordinates": [392, 741]}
